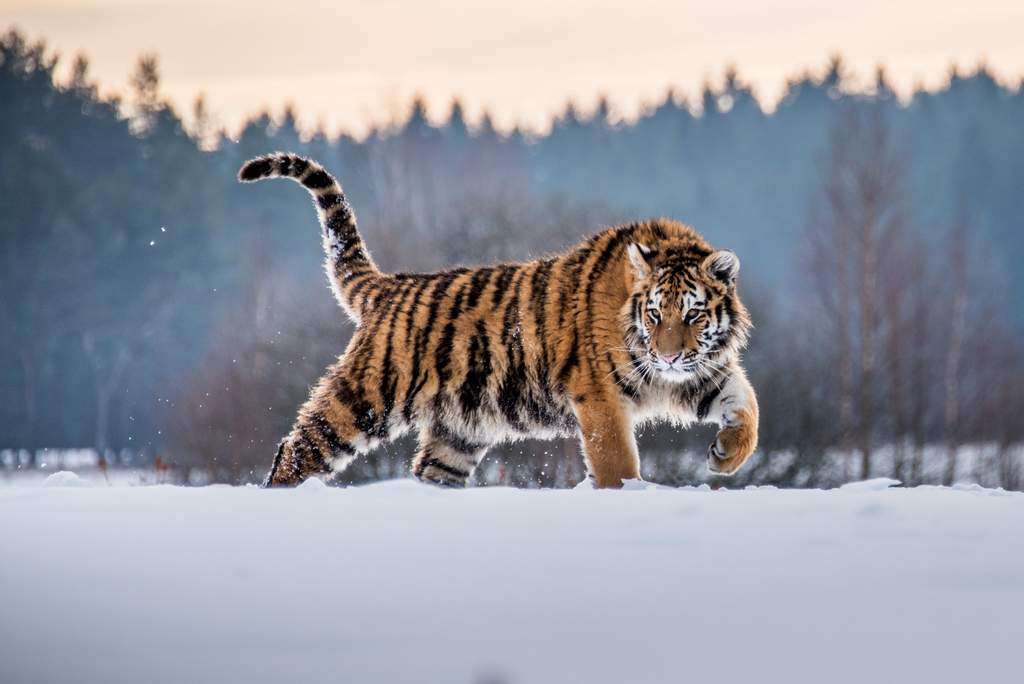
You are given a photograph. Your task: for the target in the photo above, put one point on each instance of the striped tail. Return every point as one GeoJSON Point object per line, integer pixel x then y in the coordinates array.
{"type": "Point", "coordinates": [349, 265]}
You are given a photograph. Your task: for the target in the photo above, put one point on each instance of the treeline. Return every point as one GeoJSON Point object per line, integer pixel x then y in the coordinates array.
{"type": "Point", "coordinates": [153, 305]}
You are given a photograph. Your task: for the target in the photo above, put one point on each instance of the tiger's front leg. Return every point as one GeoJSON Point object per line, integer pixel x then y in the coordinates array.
{"type": "Point", "coordinates": [609, 447]}
{"type": "Point", "coordinates": [735, 410]}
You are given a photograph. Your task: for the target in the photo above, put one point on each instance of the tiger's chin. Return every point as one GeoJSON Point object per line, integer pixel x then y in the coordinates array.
{"type": "Point", "coordinates": [678, 375]}
{"type": "Point", "coordinates": [687, 373]}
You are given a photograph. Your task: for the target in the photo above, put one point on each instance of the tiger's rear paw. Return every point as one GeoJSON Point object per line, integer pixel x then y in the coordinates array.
{"type": "Point", "coordinates": [436, 472]}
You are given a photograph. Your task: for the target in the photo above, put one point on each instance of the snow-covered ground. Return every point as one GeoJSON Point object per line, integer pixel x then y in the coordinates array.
{"type": "Point", "coordinates": [398, 582]}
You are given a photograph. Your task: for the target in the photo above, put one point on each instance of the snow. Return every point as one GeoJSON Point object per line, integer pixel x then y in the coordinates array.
{"type": "Point", "coordinates": [873, 485]}
{"type": "Point", "coordinates": [399, 582]}
{"type": "Point", "coordinates": [64, 478]}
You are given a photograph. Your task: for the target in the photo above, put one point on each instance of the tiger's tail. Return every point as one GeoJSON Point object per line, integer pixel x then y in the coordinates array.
{"type": "Point", "coordinates": [349, 266]}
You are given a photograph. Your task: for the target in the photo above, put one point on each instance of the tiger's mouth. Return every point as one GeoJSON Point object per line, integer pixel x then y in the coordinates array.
{"type": "Point", "coordinates": [685, 367]}
{"type": "Point", "coordinates": [677, 367]}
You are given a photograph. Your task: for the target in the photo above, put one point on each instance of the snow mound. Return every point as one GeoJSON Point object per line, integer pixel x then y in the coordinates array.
{"type": "Point", "coordinates": [400, 582]}
{"type": "Point", "coordinates": [65, 478]}
{"type": "Point", "coordinates": [978, 489]}
{"type": "Point", "coordinates": [586, 484]}
{"type": "Point", "coordinates": [877, 484]}
{"type": "Point", "coordinates": [313, 485]}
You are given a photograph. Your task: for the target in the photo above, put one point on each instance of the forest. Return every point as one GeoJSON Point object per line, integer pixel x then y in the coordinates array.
{"type": "Point", "coordinates": [158, 312]}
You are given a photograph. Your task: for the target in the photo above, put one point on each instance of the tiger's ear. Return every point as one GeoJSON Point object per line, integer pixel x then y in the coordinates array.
{"type": "Point", "coordinates": [641, 259]}
{"type": "Point", "coordinates": [723, 266]}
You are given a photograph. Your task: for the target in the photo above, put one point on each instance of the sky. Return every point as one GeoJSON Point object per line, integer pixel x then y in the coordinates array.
{"type": "Point", "coordinates": [350, 64]}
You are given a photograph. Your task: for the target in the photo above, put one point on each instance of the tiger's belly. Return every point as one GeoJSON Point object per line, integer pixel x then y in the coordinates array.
{"type": "Point", "coordinates": [529, 412]}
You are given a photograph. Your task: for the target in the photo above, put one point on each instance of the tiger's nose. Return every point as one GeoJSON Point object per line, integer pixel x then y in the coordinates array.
{"type": "Point", "coordinates": [669, 358]}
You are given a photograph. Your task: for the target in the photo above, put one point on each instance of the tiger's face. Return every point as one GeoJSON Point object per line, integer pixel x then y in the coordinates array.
{"type": "Point", "coordinates": [685, 317]}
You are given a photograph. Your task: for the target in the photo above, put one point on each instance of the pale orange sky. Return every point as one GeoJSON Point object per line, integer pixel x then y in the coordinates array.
{"type": "Point", "coordinates": [351, 63]}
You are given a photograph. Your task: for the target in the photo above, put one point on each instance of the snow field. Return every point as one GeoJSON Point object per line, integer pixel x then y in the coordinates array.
{"type": "Point", "coordinates": [399, 582]}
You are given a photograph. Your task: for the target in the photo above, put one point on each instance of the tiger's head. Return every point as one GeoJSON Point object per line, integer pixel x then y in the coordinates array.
{"type": "Point", "coordinates": [685, 318]}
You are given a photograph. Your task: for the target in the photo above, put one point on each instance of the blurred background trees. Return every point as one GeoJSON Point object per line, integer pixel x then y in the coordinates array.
{"type": "Point", "coordinates": [152, 307]}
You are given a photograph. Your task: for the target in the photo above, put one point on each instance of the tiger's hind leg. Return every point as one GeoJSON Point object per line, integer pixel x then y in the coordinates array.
{"type": "Point", "coordinates": [313, 447]}
{"type": "Point", "coordinates": [337, 423]}
{"type": "Point", "coordinates": [446, 459]}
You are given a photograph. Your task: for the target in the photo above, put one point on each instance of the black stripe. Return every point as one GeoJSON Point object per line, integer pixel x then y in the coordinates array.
{"type": "Point", "coordinates": [481, 277]}
{"type": "Point", "coordinates": [576, 272]}
{"type": "Point", "coordinates": [318, 180]}
{"type": "Point", "coordinates": [606, 254]}
{"type": "Point", "coordinates": [572, 360]}
{"type": "Point", "coordinates": [328, 434]}
{"type": "Point", "coordinates": [354, 290]}
{"type": "Point", "coordinates": [352, 275]}
{"type": "Point", "coordinates": [363, 413]}
{"type": "Point", "coordinates": [705, 404]}
{"type": "Point", "coordinates": [352, 251]}
{"type": "Point", "coordinates": [473, 389]}
{"type": "Point", "coordinates": [595, 271]}
{"type": "Point", "coordinates": [269, 482]}
{"type": "Point", "coordinates": [284, 165]}
{"type": "Point", "coordinates": [445, 347]}
{"type": "Point", "coordinates": [432, 462]}
{"type": "Point", "coordinates": [327, 201]}
{"type": "Point", "coordinates": [340, 223]}
{"type": "Point", "coordinates": [389, 375]}
{"type": "Point", "coordinates": [624, 386]}
{"type": "Point", "coordinates": [410, 312]}
{"type": "Point", "coordinates": [538, 302]}
{"type": "Point", "coordinates": [299, 166]}
{"type": "Point", "coordinates": [637, 305]}
{"type": "Point", "coordinates": [256, 169]}
{"type": "Point", "coordinates": [513, 385]}
{"type": "Point", "coordinates": [507, 272]}
{"type": "Point", "coordinates": [359, 356]}
{"type": "Point", "coordinates": [567, 290]}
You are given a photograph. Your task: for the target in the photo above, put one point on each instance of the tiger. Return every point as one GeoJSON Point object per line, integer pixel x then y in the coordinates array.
{"type": "Point", "coordinates": [637, 323]}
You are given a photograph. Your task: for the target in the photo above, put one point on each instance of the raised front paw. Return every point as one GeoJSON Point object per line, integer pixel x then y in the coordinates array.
{"type": "Point", "coordinates": [731, 449]}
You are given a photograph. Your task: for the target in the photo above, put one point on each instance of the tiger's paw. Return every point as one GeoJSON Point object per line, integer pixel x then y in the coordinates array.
{"type": "Point", "coordinates": [731, 449]}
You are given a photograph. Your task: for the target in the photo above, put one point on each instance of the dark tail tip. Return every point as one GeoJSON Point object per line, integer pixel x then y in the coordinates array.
{"type": "Point", "coordinates": [255, 169]}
